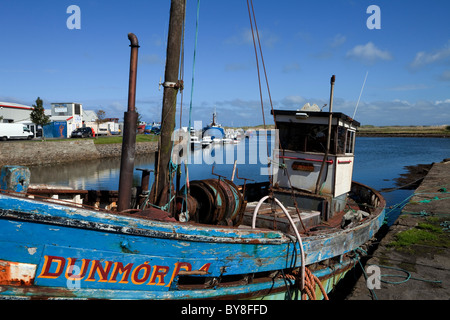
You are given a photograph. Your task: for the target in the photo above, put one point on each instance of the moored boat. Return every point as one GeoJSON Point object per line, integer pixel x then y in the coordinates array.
{"type": "Point", "coordinates": [293, 236]}
{"type": "Point", "coordinates": [195, 143]}
{"type": "Point", "coordinates": [231, 245]}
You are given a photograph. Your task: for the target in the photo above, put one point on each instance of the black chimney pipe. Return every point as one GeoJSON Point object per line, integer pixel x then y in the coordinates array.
{"type": "Point", "coordinates": [129, 132]}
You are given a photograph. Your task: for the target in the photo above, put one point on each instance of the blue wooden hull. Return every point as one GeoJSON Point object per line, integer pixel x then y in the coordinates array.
{"type": "Point", "coordinates": [56, 251]}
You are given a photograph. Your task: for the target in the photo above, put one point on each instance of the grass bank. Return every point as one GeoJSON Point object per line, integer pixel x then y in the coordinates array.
{"type": "Point", "coordinates": [427, 233]}
{"type": "Point", "coordinates": [433, 131]}
{"type": "Point", "coordinates": [370, 130]}
{"type": "Point", "coordinates": [118, 139]}
{"type": "Point", "coordinates": [101, 140]}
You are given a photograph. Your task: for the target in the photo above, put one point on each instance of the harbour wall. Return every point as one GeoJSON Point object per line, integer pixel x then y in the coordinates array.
{"type": "Point", "coordinates": [29, 153]}
{"type": "Point", "coordinates": [413, 257]}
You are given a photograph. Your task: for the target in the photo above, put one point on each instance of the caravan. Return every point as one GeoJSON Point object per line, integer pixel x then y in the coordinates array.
{"type": "Point", "coordinates": [9, 131]}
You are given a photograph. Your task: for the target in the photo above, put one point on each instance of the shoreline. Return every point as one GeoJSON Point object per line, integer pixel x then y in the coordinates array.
{"type": "Point", "coordinates": [416, 247]}
{"type": "Point", "coordinates": [47, 152]}
{"type": "Point", "coordinates": [403, 135]}
{"type": "Point", "coordinates": [64, 151]}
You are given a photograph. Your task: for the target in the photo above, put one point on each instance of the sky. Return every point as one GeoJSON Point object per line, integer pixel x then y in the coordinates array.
{"type": "Point", "coordinates": [406, 58]}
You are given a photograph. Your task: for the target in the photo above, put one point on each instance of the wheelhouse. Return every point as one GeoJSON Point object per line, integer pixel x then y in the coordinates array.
{"type": "Point", "coordinates": [303, 137]}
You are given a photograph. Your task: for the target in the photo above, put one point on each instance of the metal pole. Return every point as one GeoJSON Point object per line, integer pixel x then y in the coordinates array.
{"type": "Point", "coordinates": [129, 132]}
{"type": "Point", "coordinates": [330, 119]}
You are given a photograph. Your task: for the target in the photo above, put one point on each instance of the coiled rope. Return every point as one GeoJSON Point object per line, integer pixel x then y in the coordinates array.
{"type": "Point", "coordinates": [406, 277]}
{"type": "Point", "coordinates": [311, 281]}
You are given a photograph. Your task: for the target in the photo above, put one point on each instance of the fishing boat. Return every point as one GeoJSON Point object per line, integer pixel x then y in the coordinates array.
{"type": "Point", "coordinates": [292, 237]}
{"type": "Point", "coordinates": [195, 143]}
{"type": "Point", "coordinates": [206, 141]}
{"type": "Point", "coordinates": [214, 131]}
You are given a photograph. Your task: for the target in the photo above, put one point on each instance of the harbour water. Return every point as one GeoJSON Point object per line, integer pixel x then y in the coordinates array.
{"type": "Point", "coordinates": [378, 161]}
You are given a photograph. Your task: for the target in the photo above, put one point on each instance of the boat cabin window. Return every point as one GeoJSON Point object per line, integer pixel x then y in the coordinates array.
{"type": "Point", "coordinates": [303, 137]}
{"type": "Point", "coordinates": [313, 138]}
{"type": "Point", "coordinates": [350, 144]}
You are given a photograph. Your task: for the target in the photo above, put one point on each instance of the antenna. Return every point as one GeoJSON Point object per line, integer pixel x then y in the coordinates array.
{"type": "Point", "coordinates": [364, 83]}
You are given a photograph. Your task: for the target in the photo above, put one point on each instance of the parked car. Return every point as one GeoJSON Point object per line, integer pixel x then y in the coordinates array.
{"type": "Point", "coordinates": [82, 133]}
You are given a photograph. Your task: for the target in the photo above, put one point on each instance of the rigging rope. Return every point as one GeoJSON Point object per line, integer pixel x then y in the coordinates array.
{"type": "Point", "coordinates": [186, 188]}
{"type": "Point", "coordinates": [256, 55]}
{"type": "Point", "coordinates": [251, 12]}
{"type": "Point", "coordinates": [430, 191]}
{"type": "Point", "coordinates": [193, 63]}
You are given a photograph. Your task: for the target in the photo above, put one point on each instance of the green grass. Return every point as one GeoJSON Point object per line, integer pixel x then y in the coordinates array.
{"type": "Point", "coordinates": [102, 139]}
{"type": "Point", "coordinates": [433, 130]}
{"type": "Point", "coordinates": [118, 139]}
{"type": "Point", "coordinates": [428, 233]}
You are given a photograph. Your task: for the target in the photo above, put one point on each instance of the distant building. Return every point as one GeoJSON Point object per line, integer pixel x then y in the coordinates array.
{"type": "Point", "coordinates": [67, 115]}
{"type": "Point", "coordinates": [17, 113]}
{"type": "Point", "coordinates": [70, 112]}
{"type": "Point", "coordinates": [90, 119]}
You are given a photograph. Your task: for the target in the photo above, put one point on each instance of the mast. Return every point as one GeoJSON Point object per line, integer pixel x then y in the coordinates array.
{"type": "Point", "coordinates": [171, 85]}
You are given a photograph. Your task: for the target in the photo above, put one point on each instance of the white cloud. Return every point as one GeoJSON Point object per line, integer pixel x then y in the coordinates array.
{"type": "Point", "coordinates": [151, 59]}
{"type": "Point", "coordinates": [425, 58]}
{"type": "Point", "coordinates": [446, 101]}
{"type": "Point", "coordinates": [409, 87]}
{"type": "Point", "coordinates": [292, 67]}
{"type": "Point", "coordinates": [293, 101]}
{"type": "Point", "coordinates": [445, 76]}
{"type": "Point", "coordinates": [338, 40]}
{"type": "Point", "coordinates": [244, 37]}
{"type": "Point", "coordinates": [368, 53]}
{"type": "Point", "coordinates": [403, 102]}
{"type": "Point", "coordinates": [332, 45]}
{"type": "Point", "coordinates": [402, 112]}
{"type": "Point", "coordinates": [242, 112]}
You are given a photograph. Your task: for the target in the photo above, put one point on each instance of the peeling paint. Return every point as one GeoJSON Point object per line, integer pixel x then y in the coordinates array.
{"type": "Point", "coordinates": [16, 274]}
{"type": "Point", "coordinates": [231, 253]}
{"type": "Point", "coordinates": [32, 250]}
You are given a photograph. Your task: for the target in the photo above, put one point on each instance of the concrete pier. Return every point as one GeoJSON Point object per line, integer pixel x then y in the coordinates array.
{"type": "Point", "coordinates": [413, 258]}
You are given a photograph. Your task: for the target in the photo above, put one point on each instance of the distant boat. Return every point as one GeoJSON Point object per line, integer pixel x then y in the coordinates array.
{"type": "Point", "coordinates": [206, 141]}
{"type": "Point", "coordinates": [155, 127]}
{"type": "Point", "coordinates": [248, 134]}
{"type": "Point", "coordinates": [195, 143]}
{"type": "Point", "coordinates": [214, 130]}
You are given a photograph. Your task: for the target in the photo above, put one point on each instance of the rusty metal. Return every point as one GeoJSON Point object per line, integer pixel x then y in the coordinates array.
{"type": "Point", "coordinates": [207, 210]}
{"type": "Point", "coordinates": [145, 182]}
{"type": "Point", "coordinates": [129, 132]}
{"type": "Point", "coordinates": [16, 274]}
{"type": "Point", "coordinates": [145, 179]}
{"type": "Point", "coordinates": [186, 203]}
{"type": "Point", "coordinates": [217, 202]}
{"type": "Point", "coordinates": [245, 181]}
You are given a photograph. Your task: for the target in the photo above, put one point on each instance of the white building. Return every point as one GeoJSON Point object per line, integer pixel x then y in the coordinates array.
{"type": "Point", "coordinates": [70, 112]}
{"type": "Point", "coordinates": [17, 113]}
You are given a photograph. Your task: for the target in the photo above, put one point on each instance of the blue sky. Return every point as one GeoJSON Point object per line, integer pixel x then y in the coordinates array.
{"type": "Point", "coordinates": [304, 43]}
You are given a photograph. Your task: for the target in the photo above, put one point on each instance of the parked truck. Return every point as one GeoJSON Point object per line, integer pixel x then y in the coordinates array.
{"type": "Point", "coordinates": [10, 131]}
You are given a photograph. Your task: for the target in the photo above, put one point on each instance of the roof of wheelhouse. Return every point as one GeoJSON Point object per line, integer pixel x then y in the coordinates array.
{"type": "Point", "coordinates": [338, 115]}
